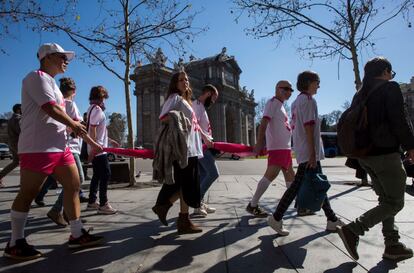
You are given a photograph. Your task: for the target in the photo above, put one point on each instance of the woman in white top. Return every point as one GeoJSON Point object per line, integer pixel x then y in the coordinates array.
{"type": "Point", "coordinates": [186, 186]}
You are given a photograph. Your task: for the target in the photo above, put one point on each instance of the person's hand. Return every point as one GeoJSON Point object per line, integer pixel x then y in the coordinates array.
{"type": "Point", "coordinates": [114, 144]}
{"type": "Point", "coordinates": [209, 143]}
{"type": "Point", "coordinates": [410, 155]}
{"type": "Point", "coordinates": [312, 162]}
{"type": "Point", "coordinates": [96, 148]}
{"type": "Point", "coordinates": [258, 149]}
{"type": "Point", "coordinates": [78, 128]}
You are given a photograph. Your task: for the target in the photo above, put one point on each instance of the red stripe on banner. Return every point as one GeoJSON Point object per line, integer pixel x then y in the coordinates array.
{"type": "Point", "coordinates": [139, 153]}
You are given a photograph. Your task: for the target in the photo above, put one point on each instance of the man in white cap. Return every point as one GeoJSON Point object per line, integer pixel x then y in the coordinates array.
{"type": "Point", "coordinates": [43, 151]}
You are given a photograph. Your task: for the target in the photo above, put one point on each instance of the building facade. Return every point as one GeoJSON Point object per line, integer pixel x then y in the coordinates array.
{"type": "Point", "coordinates": [231, 117]}
{"type": "Point", "coordinates": [408, 94]}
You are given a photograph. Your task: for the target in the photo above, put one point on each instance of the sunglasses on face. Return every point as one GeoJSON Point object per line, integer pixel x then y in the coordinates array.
{"type": "Point", "coordinates": [393, 74]}
{"type": "Point", "coordinates": [62, 56]}
{"type": "Point", "coordinates": [286, 88]}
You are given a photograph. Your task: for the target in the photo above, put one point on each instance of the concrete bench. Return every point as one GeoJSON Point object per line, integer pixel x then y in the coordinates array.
{"type": "Point", "coordinates": [119, 172]}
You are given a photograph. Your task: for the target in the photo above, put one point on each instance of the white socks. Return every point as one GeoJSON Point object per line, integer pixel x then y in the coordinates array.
{"type": "Point", "coordinates": [76, 228]}
{"type": "Point", "coordinates": [260, 190]}
{"type": "Point", "coordinates": [18, 222]}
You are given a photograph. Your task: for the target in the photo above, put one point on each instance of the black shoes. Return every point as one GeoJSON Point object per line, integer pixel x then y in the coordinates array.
{"type": "Point", "coordinates": [21, 251]}
{"type": "Point", "coordinates": [85, 240]}
{"type": "Point", "coordinates": [350, 240]}
{"type": "Point", "coordinates": [256, 211]}
{"type": "Point", "coordinates": [397, 252]}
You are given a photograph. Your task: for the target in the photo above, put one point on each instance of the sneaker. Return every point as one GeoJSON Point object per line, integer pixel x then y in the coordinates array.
{"type": "Point", "coordinates": [350, 240]}
{"type": "Point", "coordinates": [305, 212]}
{"type": "Point", "coordinates": [256, 211]}
{"type": "Point", "coordinates": [57, 218]}
{"type": "Point", "coordinates": [107, 209]}
{"type": "Point", "coordinates": [40, 203]}
{"type": "Point", "coordinates": [199, 212]}
{"type": "Point", "coordinates": [397, 252]}
{"type": "Point", "coordinates": [331, 226]}
{"type": "Point", "coordinates": [85, 240]}
{"type": "Point", "coordinates": [277, 226]}
{"type": "Point", "coordinates": [21, 251]}
{"type": "Point", "coordinates": [207, 208]}
{"type": "Point", "coordinates": [92, 206]}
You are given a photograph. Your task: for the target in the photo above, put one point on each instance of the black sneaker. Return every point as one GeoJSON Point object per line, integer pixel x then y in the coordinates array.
{"type": "Point", "coordinates": [40, 203]}
{"type": "Point", "coordinates": [350, 240]}
{"type": "Point", "coordinates": [21, 251]}
{"type": "Point", "coordinates": [83, 199]}
{"type": "Point", "coordinates": [256, 211]}
{"type": "Point", "coordinates": [85, 240]}
{"type": "Point", "coordinates": [397, 252]}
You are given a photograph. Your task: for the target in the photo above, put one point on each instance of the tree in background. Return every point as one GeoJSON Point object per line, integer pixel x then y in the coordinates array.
{"type": "Point", "coordinates": [34, 15]}
{"type": "Point", "coordinates": [340, 28]}
{"type": "Point", "coordinates": [6, 115]}
{"type": "Point", "coordinates": [117, 127]}
{"type": "Point", "coordinates": [259, 109]}
{"type": "Point", "coordinates": [122, 33]}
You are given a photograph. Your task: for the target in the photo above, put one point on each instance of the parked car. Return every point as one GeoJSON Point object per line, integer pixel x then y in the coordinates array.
{"type": "Point", "coordinates": [5, 151]}
{"type": "Point", "coordinates": [113, 157]}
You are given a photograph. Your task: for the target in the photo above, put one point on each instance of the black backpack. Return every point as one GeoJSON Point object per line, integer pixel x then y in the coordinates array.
{"type": "Point", "coordinates": [352, 130]}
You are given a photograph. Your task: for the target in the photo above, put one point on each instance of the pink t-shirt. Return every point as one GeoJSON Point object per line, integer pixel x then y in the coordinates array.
{"type": "Point", "coordinates": [39, 132]}
{"type": "Point", "coordinates": [202, 117]}
{"type": "Point", "coordinates": [305, 112]}
{"type": "Point", "coordinates": [278, 131]}
{"type": "Point", "coordinates": [194, 144]}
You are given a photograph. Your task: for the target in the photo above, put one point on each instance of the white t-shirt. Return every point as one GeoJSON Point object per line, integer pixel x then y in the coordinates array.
{"type": "Point", "coordinates": [278, 131]}
{"type": "Point", "coordinates": [304, 112]}
{"type": "Point", "coordinates": [202, 117]}
{"type": "Point", "coordinates": [39, 132]}
{"type": "Point", "coordinates": [176, 102]}
{"type": "Point", "coordinates": [97, 118]}
{"type": "Point", "coordinates": [73, 112]}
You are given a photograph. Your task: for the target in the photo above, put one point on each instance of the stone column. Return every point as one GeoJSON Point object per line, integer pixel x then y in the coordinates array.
{"type": "Point", "coordinates": [252, 125]}
{"type": "Point", "coordinates": [217, 116]}
{"type": "Point", "coordinates": [246, 129]}
{"type": "Point", "coordinates": [237, 124]}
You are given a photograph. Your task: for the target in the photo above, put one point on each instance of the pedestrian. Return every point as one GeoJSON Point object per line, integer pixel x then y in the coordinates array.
{"type": "Point", "coordinates": [13, 132]}
{"type": "Point", "coordinates": [186, 184]}
{"type": "Point", "coordinates": [308, 148]}
{"type": "Point", "coordinates": [207, 165]}
{"type": "Point", "coordinates": [43, 151]}
{"type": "Point", "coordinates": [360, 173]}
{"type": "Point", "coordinates": [68, 89]}
{"type": "Point", "coordinates": [100, 163]}
{"type": "Point", "coordinates": [276, 132]}
{"type": "Point", "coordinates": [388, 129]}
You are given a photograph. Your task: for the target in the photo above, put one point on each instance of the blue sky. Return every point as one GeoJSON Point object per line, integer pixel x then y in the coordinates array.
{"type": "Point", "coordinates": [263, 63]}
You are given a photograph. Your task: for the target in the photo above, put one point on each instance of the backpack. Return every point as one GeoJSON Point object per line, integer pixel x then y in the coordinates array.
{"type": "Point", "coordinates": [352, 130]}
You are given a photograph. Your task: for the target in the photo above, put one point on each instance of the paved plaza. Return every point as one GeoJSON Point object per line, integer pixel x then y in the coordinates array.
{"type": "Point", "coordinates": [232, 241]}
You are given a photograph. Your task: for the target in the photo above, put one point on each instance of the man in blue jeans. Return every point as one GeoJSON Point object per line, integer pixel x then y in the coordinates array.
{"type": "Point", "coordinates": [207, 165]}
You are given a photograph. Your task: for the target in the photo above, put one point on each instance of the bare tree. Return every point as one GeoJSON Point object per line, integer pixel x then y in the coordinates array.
{"type": "Point", "coordinates": [117, 127]}
{"type": "Point", "coordinates": [259, 109]}
{"type": "Point", "coordinates": [6, 115]}
{"type": "Point", "coordinates": [31, 14]}
{"type": "Point", "coordinates": [128, 33]}
{"type": "Point", "coordinates": [340, 28]}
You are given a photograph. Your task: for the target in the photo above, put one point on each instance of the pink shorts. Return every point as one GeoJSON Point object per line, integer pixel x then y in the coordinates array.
{"type": "Point", "coordinates": [282, 158]}
{"type": "Point", "coordinates": [45, 162]}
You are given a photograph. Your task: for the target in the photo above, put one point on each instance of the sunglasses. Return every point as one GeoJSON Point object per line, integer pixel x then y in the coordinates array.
{"type": "Point", "coordinates": [393, 73]}
{"type": "Point", "coordinates": [286, 88]}
{"type": "Point", "coordinates": [62, 56]}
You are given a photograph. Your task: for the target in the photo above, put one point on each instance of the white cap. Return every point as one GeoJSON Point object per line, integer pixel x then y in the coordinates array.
{"type": "Point", "coordinates": [50, 48]}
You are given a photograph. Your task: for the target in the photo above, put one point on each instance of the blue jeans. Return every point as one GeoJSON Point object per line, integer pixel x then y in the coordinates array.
{"type": "Point", "coordinates": [100, 178]}
{"type": "Point", "coordinates": [208, 172]}
{"type": "Point", "coordinates": [58, 205]}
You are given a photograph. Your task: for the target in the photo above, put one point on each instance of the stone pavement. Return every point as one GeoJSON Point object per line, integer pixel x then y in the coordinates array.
{"type": "Point", "coordinates": [232, 241]}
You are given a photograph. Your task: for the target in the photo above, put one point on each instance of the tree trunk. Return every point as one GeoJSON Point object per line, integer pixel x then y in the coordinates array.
{"type": "Point", "coordinates": [127, 95]}
{"type": "Point", "coordinates": [355, 64]}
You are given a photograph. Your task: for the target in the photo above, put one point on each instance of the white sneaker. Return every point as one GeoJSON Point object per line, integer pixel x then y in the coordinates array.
{"type": "Point", "coordinates": [331, 226]}
{"type": "Point", "coordinates": [207, 208]}
{"type": "Point", "coordinates": [107, 209]}
{"type": "Point", "coordinates": [200, 212]}
{"type": "Point", "coordinates": [93, 206]}
{"type": "Point", "coordinates": [277, 226]}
